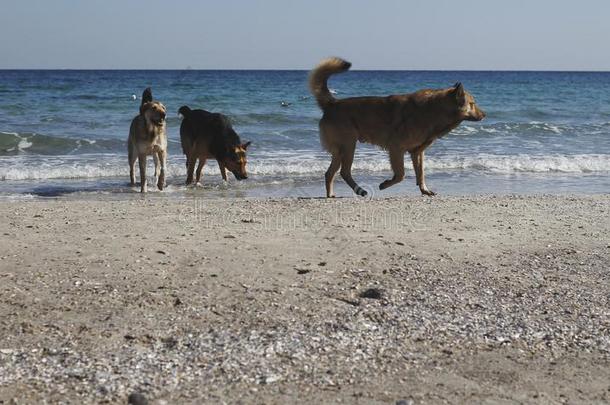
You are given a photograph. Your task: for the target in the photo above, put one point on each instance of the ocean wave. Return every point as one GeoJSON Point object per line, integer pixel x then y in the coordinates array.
{"type": "Point", "coordinates": [305, 163]}
{"type": "Point", "coordinates": [13, 143]}
{"type": "Point", "coordinates": [483, 162]}
{"type": "Point", "coordinates": [531, 129]}
{"type": "Point", "coordinates": [588, 163]}
{"type": "Point", "coordinates": [274, 119]}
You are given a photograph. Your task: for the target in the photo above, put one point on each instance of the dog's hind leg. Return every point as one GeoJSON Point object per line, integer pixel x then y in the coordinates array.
{"type": "Point", "coordinates": [190, 169]}
{"type": "Point", "coordinates": [418, 165]}
{"type": "Point", "coordinates": [142, 162]}
{"type": "Point", "coordinates": [347, 158]}
{"type": "Point", "coordinates": [397, 161]}
{"type": "Point", "coordinates": [335, 164]}
{"type": "Point", "coordinates": [160, 171]}
{"type": "Point", "coordinates": [199, 169]}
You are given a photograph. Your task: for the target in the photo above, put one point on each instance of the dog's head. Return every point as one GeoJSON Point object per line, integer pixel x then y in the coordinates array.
{"type": "Point", "coordinates": [235, 160]}
{"type": "Point", "coordinates": [467, 107]}
{"type": "Point", "coordinates": [153, 111]}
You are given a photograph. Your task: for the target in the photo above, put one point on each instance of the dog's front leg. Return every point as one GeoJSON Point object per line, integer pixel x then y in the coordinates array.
{"type": "Point", "coordinates": [418, 165]}
{"type": "Point", "coordinates": [142, 162]}
{"type": "Point", "coordinates": [156, 160]}
{"type": "Point", "coordinates": [132, 164]}
{"type": "Point", "coordinates": [223, 170]}
{"type": "Point", "coordinates": [397, 161]}
{"type": "Point", "coordinates": [162, 160]}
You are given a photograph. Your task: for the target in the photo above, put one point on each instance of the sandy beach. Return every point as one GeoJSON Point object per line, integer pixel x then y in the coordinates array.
{"type": "Point", "coordinates": [493, 299]}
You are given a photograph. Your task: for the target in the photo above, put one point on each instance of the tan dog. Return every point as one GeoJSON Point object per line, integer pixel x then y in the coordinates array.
{"type": "Point", "coordinates": [398, 123]}
{"type": "Point", "coordinates": [147, 137]}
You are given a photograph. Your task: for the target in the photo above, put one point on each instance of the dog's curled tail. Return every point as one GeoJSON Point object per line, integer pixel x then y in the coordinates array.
{"type": "Point", "coordinates": [185, 111]}
{"type": "Point", "coordinates": [318, 79]}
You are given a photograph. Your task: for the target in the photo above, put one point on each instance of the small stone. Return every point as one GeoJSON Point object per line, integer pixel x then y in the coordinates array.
{"type": "Point", "coordinates": [372, 293]}
{"type": "Point", "coordinates": [161, 252]}
{"type": "Point", "coordinates": [136, 398]}
{"type": "Point", "coordinates": [229, 237]}
{"type": "Point", "coordinates": [303, 271]}
{"type": "Point", "coordinates": [270, 379]}
{"type": "Point", "coordinates": [404, 402]}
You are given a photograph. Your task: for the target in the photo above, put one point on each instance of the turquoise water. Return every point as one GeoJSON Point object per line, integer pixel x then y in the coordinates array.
{"type": "Point", "coordinates": [64, 132]}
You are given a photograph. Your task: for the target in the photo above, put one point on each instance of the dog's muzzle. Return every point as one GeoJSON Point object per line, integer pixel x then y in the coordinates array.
{"type": "Point", "coordinates": [239, 176]}
{"type": "Point", "coordinates": [478, 117]}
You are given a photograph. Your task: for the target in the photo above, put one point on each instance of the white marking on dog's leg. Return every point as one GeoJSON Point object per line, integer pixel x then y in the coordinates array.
{"type": "Point", "coordinates": [425, 190]}
{"type": "Point", "coordinates": [329, 176]}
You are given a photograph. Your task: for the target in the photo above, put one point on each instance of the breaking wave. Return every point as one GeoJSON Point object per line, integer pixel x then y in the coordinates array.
{"type": "Point", "coordinates": [302, 164]}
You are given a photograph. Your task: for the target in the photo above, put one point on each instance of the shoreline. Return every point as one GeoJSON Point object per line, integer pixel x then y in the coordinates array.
{"type": "Point", "coordinates": [459, 184]}
{"type": "Point", "coordinates": [434, 300]}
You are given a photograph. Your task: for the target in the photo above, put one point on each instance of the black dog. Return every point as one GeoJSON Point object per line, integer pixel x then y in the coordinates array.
{"type": "Point", "coordinates": [209, 135]}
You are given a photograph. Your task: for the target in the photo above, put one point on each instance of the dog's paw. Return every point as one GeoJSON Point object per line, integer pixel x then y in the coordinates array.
{"type": "Point", "coordinates": [427, 192]}
{"type": "Point", "coordinates": [360, 191]}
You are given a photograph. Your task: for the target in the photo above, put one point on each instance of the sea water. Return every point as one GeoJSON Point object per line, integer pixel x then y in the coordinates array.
{"type": "Point", "coordinates": [64, 132]}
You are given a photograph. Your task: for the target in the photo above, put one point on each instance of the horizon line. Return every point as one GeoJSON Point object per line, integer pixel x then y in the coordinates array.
{"type": "Point", "coordinates": [309, 69]}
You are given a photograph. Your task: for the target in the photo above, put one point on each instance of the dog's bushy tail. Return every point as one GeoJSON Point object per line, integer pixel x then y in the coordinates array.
{"type": "Point", "coordinates": [318, 79]}
{"type": "Point", "coordinates": [185, 111]}
{"type": "Point", "coordinates": [186, 133]}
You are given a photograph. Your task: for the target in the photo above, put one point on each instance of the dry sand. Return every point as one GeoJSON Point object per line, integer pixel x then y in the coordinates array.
{"type": "Point", "coordinates": [433, 300]}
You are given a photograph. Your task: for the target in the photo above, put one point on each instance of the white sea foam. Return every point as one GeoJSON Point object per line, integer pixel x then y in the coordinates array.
{"type": "Point", "coordinates": [24, 144]}
{"type": "Point", "coordinates": [303, 163]}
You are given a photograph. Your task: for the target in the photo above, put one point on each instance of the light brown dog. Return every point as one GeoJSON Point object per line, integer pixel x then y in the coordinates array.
{"type": "Point", "coordinates": [147, 137]}
{"type": "Point", "coordinates": [397, 123]}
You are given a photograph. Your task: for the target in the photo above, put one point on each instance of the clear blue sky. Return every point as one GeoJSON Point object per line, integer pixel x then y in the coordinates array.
{"type": "Point", "coordinates": [286, 34]}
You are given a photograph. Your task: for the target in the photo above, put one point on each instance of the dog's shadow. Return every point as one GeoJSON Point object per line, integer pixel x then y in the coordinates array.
{"type": "Point", "coordinates": [62, 190]}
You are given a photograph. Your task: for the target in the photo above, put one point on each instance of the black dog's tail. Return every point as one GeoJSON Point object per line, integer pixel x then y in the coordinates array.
{"type": "Point", "coordinates": [186, 133]}
{"type": "Point", "coordinates": [146, 97]}
{"type": "Point", "coordinates": [185, 111]}
{"type": "Point", "coordinates": [318, 79]}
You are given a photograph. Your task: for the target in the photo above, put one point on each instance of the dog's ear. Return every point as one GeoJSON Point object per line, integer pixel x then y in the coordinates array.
{"type": "Point", "coordinates": [458, 88]}
{"type": "Point", "coordinates": [146, 98]}
{"type": "Point", "coordinates": [147, 95]}
{"type": "Point", "coordinates": [459, 92]}
{"type": "Point", "coordinates": [245, 145]}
